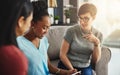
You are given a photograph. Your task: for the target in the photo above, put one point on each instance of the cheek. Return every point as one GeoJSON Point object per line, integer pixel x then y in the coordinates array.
{"type": "Point", "coordinates": [27, 27]}
{"type": "Point", "coordinates": [28, 24]}
{"type": "Point", "coordinates": [38, 30]}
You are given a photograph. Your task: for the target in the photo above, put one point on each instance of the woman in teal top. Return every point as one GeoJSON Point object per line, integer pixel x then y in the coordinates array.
{"type": "Point", "coordinates": [35, 45]}
{"type": "Point", "coordinates": [37, 55]}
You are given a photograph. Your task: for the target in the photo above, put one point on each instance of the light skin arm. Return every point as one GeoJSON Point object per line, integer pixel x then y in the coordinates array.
{"type": "Point", "coordinates": [63, 54]}
{"type": "Point", "coordinates": [96, 55]}
{"type": "Point", "coordinates": [54, 69]}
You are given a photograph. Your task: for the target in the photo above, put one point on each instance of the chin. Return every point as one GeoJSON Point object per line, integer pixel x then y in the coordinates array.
{"type": "Point", "coordinates": [41, 37]}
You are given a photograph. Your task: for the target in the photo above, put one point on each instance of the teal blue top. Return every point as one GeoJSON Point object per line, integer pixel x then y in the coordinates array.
{"type": "Point", "coordinates": [37, 57]}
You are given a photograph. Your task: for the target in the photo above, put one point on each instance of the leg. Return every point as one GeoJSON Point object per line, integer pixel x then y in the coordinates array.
{"type": "Point", "coordinates": [87, 71]}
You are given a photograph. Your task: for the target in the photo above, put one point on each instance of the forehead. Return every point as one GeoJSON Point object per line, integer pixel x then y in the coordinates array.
{"type": "Point", "coordinates": [44, 22]}
{"type": "Point", "coordinates": [85, 15]}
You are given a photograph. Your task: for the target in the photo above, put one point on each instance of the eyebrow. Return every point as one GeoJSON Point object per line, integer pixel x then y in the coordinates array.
{"type": "Point", "coordinates": [83, 17]}
{"type": "Point", "coordinates": [46, 26]}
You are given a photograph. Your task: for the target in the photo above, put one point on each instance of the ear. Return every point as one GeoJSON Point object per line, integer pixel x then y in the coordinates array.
{"type": "Point", "coordinates": [21, 21]}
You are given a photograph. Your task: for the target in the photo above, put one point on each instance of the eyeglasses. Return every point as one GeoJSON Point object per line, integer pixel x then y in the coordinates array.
{"type": "Point", "coordinates": [85, 19]}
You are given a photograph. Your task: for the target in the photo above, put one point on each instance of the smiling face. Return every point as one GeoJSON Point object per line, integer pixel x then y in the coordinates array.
{"type": "Point", "coordinates": [40, 28]}
{"type": "Point", "coordinates": [86, 20]}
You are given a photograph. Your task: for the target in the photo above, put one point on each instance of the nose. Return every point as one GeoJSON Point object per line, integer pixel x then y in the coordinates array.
{"type": "Point", "coordinates": [82, 22]}
{"type": "Point", "coordinates": [46, 30]}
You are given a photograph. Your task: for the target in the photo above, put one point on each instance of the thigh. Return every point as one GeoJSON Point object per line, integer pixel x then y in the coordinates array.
{"type": "Point", "coordinates": [87, 71]}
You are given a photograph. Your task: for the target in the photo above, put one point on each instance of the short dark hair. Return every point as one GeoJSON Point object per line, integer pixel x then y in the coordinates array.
{"type": "Point", "coordinates": [40, 10]}
{"type": "Point", "coordinates": [87, 7]}
{"type": "Point", "coordinates": [10, 12]}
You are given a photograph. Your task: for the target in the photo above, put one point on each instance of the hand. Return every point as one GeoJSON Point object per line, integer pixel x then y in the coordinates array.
{"type": "Point", "coordinates": [77, 73]}
{"type": "Point", "coordinates": [92, 38]}
{"type": "Point", "coordinates": [67, 72]}
{"type": "Point", "coordinates": [71, 71]}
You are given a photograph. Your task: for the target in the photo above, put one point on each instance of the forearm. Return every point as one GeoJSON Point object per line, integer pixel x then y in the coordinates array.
{"type": "Point", "coordinates": [57, 71]}
{"type": "Point", "coordinates": [52, 68]}
{"type": "Point", "coordinates": [66, 62]}
{"type": "Point", "coordinates": [63, 54]}
{"type": "Point", "coordinates": [96, 54]}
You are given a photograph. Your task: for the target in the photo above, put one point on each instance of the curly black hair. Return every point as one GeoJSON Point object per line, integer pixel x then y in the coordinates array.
{"type": "Point", "coordinates": [40, 9]}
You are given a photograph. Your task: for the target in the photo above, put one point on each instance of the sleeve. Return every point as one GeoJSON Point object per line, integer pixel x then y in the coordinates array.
{"type": "Point", "coordinates": [98, 34]}
{"type": "Point", "coordinates": [100, 37]}
{"type": "Point", "coordinates": [68, 36]}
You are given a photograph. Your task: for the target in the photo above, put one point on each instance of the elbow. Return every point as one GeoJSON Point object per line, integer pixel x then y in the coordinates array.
{"type": "Point", "coordinates": [98, 58]}
{"type": "Point", "coordinates": [62, 57]}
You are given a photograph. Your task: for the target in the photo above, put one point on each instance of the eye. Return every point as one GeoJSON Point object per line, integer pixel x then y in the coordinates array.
{"type": "Point", "coordinates": [44, 27]}
{"type": "Point", "coordinates": [80, 18]}
{"type": "Point", "coordinates": [86, 18]}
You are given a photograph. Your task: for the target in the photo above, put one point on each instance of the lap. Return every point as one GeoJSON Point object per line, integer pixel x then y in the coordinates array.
{"type": "Point", "coordinates": [84, 71]}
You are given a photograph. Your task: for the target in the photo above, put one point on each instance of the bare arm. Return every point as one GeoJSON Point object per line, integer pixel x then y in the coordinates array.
{"type": "Point", "coordinates": [54, 70]}
{"type": "Point", "coordinates": [96, 55]}
{"type": "Point", "coordinates": [63, 54]}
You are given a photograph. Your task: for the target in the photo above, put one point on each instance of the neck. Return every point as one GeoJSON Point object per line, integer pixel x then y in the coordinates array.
{"type": "Point", "coordinates": [18, 32]}
{"type": "Point", "coordinates": [86, 30]}
{"type": "Point", "coordinates": [31, 37]}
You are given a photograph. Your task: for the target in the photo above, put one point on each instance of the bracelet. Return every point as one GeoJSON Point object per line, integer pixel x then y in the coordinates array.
{"type": "Point", "coordinates": [96, 45]}
{"type": "Point", "coordinates": [58, 71]}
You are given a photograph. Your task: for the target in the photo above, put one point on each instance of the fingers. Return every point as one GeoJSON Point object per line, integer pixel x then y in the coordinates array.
{"type": "Point", "coordinates": [72, 71]}
{"type": "Point", "coordinates": [77, 73]}
{"type": "Point", "coordinates": [89, 37]}
{"type": "Point", "coordinates": [86, 36]}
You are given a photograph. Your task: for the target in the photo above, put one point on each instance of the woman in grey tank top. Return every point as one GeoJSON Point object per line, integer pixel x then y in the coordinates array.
{"type": "Point", "coordinates": [81, 43]}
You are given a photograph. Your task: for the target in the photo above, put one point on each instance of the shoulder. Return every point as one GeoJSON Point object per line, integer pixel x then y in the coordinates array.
{"type": "Point", "coordinates": [12, 57]}
{"type": "Point", "coordinates": [8, 48]}
{"type": "Point", "coordinates": [98, 34]}
{"type": "Point", "coordinates": [73, 28]}
{"type": "Point", "coordinates": [44, 40]}
{"type": "Point", "coordinates": [96, 31]}
{"type": "Point", "coordinates": [12, 52]}
{"type": "Point", "coordinates": [20, 39]}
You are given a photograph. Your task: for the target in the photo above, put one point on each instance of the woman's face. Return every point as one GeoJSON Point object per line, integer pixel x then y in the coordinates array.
{"type": "Point", "coordinates": [86, 20]}
{"type": "Point", "coordinates": [41, 27]}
